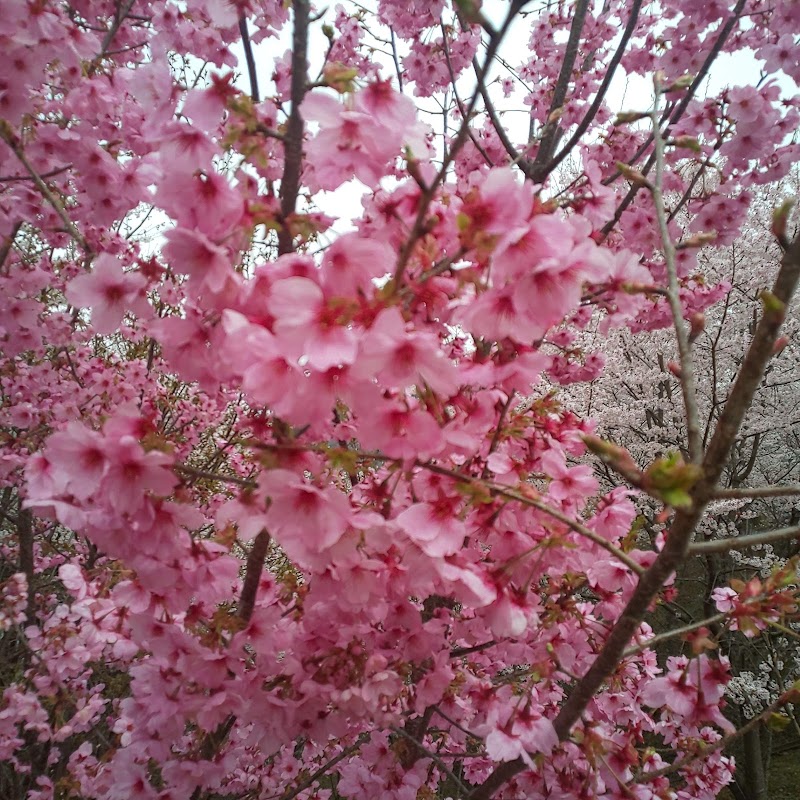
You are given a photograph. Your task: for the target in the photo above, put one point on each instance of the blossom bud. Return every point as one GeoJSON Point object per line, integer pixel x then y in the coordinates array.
{"type": "Point", "coordinates": [633, 175]}
{"type": "Point", "coordinates": [698, 240]}
{"type": "Point", "coordinates": [687, 142]}
{"type": "Point", "coordinates": [780, 343]}
{"type": "Point", "coordinates": [697, 324]}
{"type": "Point", "coordinates": [629, 116]}
{"type": "Point", "coordinates": [780, 217]}
{"type": "Point", "coordinates": [339, 77]}
{"type": "Point", "coordinates": [684, 82]}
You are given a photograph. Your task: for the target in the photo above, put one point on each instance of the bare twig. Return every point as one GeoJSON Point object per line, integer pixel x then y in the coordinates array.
{"type": "Point", "coordinates": [648, 644]}
{"type": "Point", "coordinates": [763, 491]}
{"type": "Point", "coordinates": [687, 379]}
{"type": "Point", "coordinates": [743, 542]}
{"type": "Point", "coordinates": [433, 757]}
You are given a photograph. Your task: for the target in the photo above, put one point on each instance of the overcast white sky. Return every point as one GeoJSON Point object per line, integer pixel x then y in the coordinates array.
{"type": "Point", "coordinates": [626, 92]}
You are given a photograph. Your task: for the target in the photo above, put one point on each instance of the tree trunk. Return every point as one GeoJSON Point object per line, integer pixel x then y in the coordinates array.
{"type": "Point", "coordinates": [754, 774]}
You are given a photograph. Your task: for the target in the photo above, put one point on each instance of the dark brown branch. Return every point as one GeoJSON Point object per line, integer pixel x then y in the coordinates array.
{"type": "Point", "coordinates": [120, 15]}
{"type": "Point", "coordinates": [418, 228]}
{"type": "Point", "coordinates": [252, 577]}
{"type": "Point", "coordinates": [293, 144]}
{"type": "Point", "coordinates": [8, 136]}
{"type": "Point", "coordinates": [432, 756]}
{"type": "Point", "coordinates": [478, 146]}
{"type": "Point", "coordinates": [50, 174]}
{"type": "Point", "coordinates": [724, 33]}
{"type": "Point", "coordinates": [249, 58]}
{"type": "Point", "coordinates": [499, 128]}
{"type": "Point", "coordinates": [255, 564]}
{"type": "Point", "coordinates": [215, 476]}
{"type": "Point", "coordinates": [396, 61]}
{"type": "Point", "coordinates": [583, 125]}
{"type": "Point", "coordinates": [460, 652]}
{"type": "Point", "coordinates": [674, 117]}
{"type": "Point", "coordinates": [552, 129]}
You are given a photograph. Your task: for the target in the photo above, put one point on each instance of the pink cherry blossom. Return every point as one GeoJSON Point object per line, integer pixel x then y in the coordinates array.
{"type": "Point", "coordinates": [110, 292]}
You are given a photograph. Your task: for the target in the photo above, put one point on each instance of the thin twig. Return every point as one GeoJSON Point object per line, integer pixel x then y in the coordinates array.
{"type": "Point", "coordinates": [419, 226]}
{"type": "Point", "coordinates": [744, 542]}
{"type": "Point", "coordinates": [314, 777]}
{"type": "Point", "coordinates": [185, 469]}
{"type": "Point", "coordinates": [583, 125]}
{"type": "Point", "coordinates": [763, 491]}
{"type": "Point", "coordinates": [433, 757]}
{"type": "Point", "coordinates": [648, 644]}
{"type": "Point", "coordinates": [48, 174]}
{"type": "Point", "coordinates": [720, 744]}
{"type": "Point", "coordinates": [687, 379]}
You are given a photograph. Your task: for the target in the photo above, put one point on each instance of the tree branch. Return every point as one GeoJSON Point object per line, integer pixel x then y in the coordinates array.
{"type": "Point", "coordinates": [249, 58]}
{"type": "Point", "coordinates": [583, 125]}
{"type": "Point", "coordinates": [789, 696]}
{"type": "Point", "coordinates": [743, 542]}
{"type": "Point", "coordinates": [7, 135]}
{"type": "Point", "coordinates": [433, 757]}
{"type": "Point", "coordinates": [552, 129]}
{"type": "Point", "coordinates": [26, 560]}
{"type": "Point", "coordinates": [420, 221]}
{"type": "Point", "coordinates": [314, 777]}
{"type": "Point", "coordinates": [252, 576]}
{"type": "Point", "coordinates": [8, 242]}
{"type": "Point", "coordinates": [648, 644]}
{"type": "Point", "coordinates": [687, 380]}
{"type": "Point", "coordinates": [293, 143]}
{"type": "Point", "coordinates": [764, 491]}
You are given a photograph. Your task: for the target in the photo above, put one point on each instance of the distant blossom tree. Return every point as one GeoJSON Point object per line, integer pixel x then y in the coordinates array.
{"type": "Point", "coordinates": [295, 509]}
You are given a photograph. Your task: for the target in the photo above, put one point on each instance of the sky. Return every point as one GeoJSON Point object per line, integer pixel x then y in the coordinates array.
{"type": "Point", "coordinates": [626, 93]}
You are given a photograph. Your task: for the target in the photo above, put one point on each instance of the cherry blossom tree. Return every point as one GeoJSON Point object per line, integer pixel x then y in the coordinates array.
{"type": "Point", "coordinates": [293, 505]}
